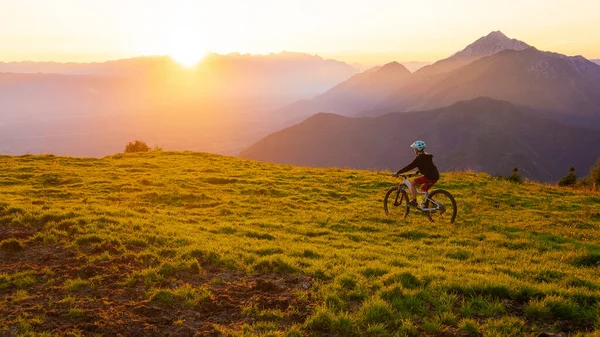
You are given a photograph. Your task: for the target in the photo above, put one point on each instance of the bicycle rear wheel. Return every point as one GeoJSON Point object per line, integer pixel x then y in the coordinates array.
{"type": "Point", "coordinates": [446, 205]}
{"type": "Point", "coordinates": [396, 202]}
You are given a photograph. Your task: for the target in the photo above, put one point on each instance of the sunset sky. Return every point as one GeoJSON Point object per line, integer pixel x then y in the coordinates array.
{"type": "Point", "coordinates": [350, 30]}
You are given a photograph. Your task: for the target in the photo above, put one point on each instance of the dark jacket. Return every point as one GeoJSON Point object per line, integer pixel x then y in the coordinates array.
{"type": "Point", "coordinates": [424, 162]}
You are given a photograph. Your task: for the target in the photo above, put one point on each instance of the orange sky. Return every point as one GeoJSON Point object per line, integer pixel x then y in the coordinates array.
{"type": "Point", "coordinates": [372, 31]}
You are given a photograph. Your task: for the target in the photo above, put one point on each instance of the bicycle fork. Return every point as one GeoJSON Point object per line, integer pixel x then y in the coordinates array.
{"type": "Point", "coordinates": [396, 203]}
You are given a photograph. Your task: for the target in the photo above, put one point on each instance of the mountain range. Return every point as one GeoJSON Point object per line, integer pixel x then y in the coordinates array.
{"type": "Point", "coordinates": [487, 45]}
{"type": "Point", "coordinates": [493, 66]}
{"type": "Point", "coordinates": [277, 77]}
{"type": "Point", "coordinates": [497, 104]}
{"type": "Point", "coordinates": [543, 80]}
{"type": "Point", "coordinates": [482, 134]}
{"type": "Point", "coordinates": [137, 66]}
{"type": "Point", "coordinates": [93, 109]}
{"type": "Point", "coordinates": [358, 93]}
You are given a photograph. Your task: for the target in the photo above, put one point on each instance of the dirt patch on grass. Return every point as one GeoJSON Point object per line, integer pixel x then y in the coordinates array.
{"type": "Point", "coordinates": [19, 233]}
{"type": "Point", "coordinates": [69, 293]}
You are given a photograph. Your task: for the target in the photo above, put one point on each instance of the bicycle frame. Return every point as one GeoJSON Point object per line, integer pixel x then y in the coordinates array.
{"type": "Point", "coordinates": [425, 194]}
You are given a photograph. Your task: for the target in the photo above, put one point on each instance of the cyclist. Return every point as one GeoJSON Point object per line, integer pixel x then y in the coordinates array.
{"type": "Point", "coordinates": [424, 164]}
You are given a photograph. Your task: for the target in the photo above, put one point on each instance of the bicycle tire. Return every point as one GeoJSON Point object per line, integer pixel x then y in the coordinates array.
{"type": "Point", "coordinates": [396, 200]}
{"type": "Point", "coordinates": [446, 214]}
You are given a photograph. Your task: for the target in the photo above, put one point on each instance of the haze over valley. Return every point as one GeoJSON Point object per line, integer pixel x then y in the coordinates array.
{"type": "Point", "coordinates": [221, 105]}
{"type": "Point", "coordinates": [226, 103]}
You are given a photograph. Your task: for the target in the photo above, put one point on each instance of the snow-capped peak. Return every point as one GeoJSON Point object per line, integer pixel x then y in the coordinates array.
{"type": "Point", "coordinates": [490, 44]}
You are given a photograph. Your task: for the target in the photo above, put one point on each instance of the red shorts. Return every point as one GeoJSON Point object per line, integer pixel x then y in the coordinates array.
{"type": "Point", "coordinates": [427, 183]}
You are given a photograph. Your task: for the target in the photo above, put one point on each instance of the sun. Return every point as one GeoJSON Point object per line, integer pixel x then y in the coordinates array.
{"type": "Point", "coordinates": [180, 36]}
{"type": "Point", "coordinates": [185, 49]}
{"type": "Point", "coordinates": [187, 58]}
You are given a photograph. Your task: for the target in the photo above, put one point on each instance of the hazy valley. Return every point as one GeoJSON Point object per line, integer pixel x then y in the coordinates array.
{"type": "Point", "coordinates": [222, 105]}
{"type": "Point", "coordinates": [227, 103]}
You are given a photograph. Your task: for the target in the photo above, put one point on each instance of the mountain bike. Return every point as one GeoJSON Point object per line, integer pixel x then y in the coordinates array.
{"type": "Point", "coordinates": [438, 205]}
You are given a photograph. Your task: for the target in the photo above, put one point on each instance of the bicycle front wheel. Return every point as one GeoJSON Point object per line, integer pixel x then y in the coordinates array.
{"type": "Point", "coordinates": [444, 204]}
{"type": "Point", "coordinates": [396, 202]}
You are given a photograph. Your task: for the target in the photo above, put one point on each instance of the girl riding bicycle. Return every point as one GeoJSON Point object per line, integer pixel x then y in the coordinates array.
{"type": "Point", "coordinates": [424, 164]}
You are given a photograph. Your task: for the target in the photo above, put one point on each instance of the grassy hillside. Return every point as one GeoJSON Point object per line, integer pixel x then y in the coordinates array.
{"type": "Point", "coordinates": [188, 243]}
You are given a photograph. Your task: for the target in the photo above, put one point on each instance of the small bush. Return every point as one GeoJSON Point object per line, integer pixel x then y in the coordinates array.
{"type": "Point", "coordinates": [594, 177]}
{"type": "Point", "coordinates": [515, 177]}
{"type": "Point", "coordinates": [137, 146]}
{"type": "Point", "coordinates": [568, 180]}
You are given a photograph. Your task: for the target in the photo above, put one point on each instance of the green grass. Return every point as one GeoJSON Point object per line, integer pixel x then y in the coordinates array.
{"type": "Point", "coordinates": [519, 257]}
{"type": "Point", "coordinates": [185, 295]}
{"type": "Point", "coordinates": [24, 279]}
{"type": "Point", "coordinates": [76, 284]}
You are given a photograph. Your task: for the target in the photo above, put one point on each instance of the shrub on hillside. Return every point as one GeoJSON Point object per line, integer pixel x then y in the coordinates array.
{"type": "Point", "coordinates": [515, 177]}
{"type": "Point", "coordinates": [137, 146]}
{"type": "Point", "coordinates": [594, 177]}
{"type": "Point", "coordinates": [570, 179]}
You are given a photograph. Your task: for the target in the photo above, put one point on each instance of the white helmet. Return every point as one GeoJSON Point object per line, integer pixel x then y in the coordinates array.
{"type": "Point", "coordinates": [418, 145]}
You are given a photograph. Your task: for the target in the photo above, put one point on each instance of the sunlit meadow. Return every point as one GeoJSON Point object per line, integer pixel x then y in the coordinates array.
{"type": "Point", "coordinates": [167, 239]}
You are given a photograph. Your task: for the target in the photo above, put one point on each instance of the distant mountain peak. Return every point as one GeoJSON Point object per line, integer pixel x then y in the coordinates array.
{"type": "Point", "coordinates": [393, 66]}
{"type": "Point", "coordinates": [497, 34]}
{"type": "Point", "coordinates": [490, 44]}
